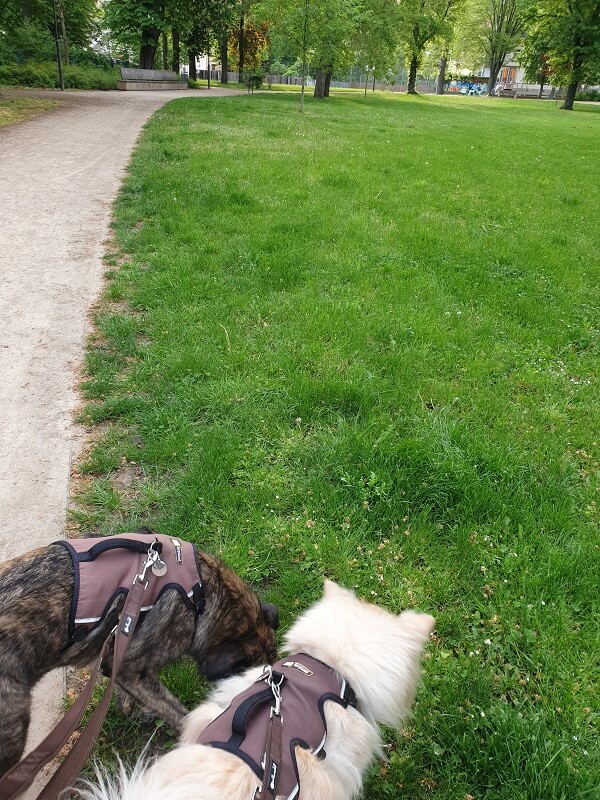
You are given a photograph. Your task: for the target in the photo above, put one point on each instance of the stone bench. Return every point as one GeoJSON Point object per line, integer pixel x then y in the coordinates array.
{"type": "Point", "coordinates": [149, 79]}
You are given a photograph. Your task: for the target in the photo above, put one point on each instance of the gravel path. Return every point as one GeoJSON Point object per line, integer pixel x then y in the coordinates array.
{"type": "Point", "coordinates": [59, 174]}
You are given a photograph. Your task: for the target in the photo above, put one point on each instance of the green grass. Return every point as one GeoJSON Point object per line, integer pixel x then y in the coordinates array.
{"type": "Point", "coordinates": [19, 109]}
{"type": "Point", "coordinates": [363, 342]}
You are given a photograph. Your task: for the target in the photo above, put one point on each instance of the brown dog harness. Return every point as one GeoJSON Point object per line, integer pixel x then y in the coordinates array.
{"type": "Point", "coordinates": [107, 566]}
{"type": "Point", "coordinates": [301, 685]}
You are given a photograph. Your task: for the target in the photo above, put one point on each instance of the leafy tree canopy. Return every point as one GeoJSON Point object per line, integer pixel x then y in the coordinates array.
{"type": "Point", "coordinates": [27, 28]}
{"type": "Point", "coordinates": [565, 35]}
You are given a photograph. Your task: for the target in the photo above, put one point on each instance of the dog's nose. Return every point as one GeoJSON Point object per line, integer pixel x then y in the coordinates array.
{"type": "Point", "coordinates": [270, 614]}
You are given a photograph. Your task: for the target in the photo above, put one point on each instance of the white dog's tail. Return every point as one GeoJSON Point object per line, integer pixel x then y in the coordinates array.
{"type": "Point", "coordinates": [121, 784]}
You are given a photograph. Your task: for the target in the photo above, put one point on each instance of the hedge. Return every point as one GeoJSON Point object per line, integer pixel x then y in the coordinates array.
{"type": "Point", "coordinates": [45, 76]}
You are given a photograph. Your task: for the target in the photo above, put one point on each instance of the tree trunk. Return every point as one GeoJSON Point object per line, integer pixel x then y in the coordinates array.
{"type": "Point", "coordinates": [494, 70]}
{"type": "Point", "coordinates": [63, 30]}
{"type": "Point", "coordinates": [570, 97]}
{"type": "Point", "coordinates": [224, 59]}
{"type": "Point", "coordinates": [541, 94]}
{"type": "Point", "coordinates": [165, 50]}
{"type": "Point", "coordinates": [441, 80]}
{"type": "Point", "coordinates": [150, 38]}
{"type": "Point", "coordinates": [412, 76]}
{"type": "Point", "coordinates": [193, 73]}
{"type": "Point", "coordinates": [575, 76]}
{"type": "Point", "coordinates": [208, 59]}
{"type": "Point", "coordinates": [304, 52]}
{"type": "Point", "coordinates": [176, 50]}
{"type": "Point", "coordinates": [328, 74]}
{"type": "Point", "coordinates": [241, 43]}
{"type": "Point", "coordinates": [319, 84]}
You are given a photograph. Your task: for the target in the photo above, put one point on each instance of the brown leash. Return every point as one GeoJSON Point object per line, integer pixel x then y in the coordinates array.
{"type": "Point", "coordinates": [273, 743]}
{"type": "Point", "coordinates": [21, 775]}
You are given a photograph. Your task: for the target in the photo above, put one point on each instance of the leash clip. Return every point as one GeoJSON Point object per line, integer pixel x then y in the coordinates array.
{"type": "Point", "coordinates": [276, 689]}
{"type": "Point", "coordinates": [151, 558]}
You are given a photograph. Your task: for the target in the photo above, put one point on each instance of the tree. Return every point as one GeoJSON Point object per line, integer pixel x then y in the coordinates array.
{"type": "Point", "coordinates": [376, 37]}
{"type": "Point", "coordinates": [201, 26]}
{"type": "Point", "coordinates": [333, 25]}
{"type": "Point", "coordinates": [467, 46]}
{"type": "Point", "coordinates": [255, 45]}
{"type": "Point", "coordinates": [26, 28]}
{"type": "Point", "coordinates": [137, 21]}
{"type": "Point", "coordinates": [534, 57]}
{"type": "Point", "coordinates": [567, 34]}
{"type": "Point", "coordinates": [422, 21]}
{"type": "Point", "coordinates": [501, 33]}
{"type": "Point", "coordinates": [315, 32]}
{"type": "Point", "coordinates": [290, 32]}
{"type": "Point", "coordinates": [26, 40]}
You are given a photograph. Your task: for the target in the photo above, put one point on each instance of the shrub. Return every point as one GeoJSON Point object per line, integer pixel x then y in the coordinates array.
{"type": "Point", "coordinates": [33, 75]}
{"type": "Point", "coordinates": [252, 79]}
{"type": "Point", "coordinates": [85, 57]}
{"type": "Point", "coordinates": [589, 94]}
{"type": "Point", "coordinates": [76, 77]}
{"type": "Point", "coordinates": [45, 76]}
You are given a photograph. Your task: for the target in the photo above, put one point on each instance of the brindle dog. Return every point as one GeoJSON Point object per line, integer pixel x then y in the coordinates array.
{"type": "Point", "coordinates": [234, 631]}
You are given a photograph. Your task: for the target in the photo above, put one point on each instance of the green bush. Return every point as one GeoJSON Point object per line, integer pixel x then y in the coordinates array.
{"type": "Point", "coordinates": [34, 75]}
{"type": "Point", "coordinates": [85, 57]}
{"type": "Point", "coordinates": [252, 79]}
{"type": "Point", "coordinates": [76, 77]}
{"type": "Point", "coordinates": [45, 76]}
{"type": "Point", "coordinates": [590, 94]}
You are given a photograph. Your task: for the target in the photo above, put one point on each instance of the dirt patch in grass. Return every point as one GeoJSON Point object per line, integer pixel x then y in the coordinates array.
{"type": "Point", "coordinates": [19, 109]}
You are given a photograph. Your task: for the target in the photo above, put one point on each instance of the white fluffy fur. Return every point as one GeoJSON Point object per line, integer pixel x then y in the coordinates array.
{"type": "Point", "coordinates": [376, 652]}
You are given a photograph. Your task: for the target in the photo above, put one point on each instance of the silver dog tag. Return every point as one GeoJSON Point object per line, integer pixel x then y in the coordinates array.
{"type": "Point", "coordinates": [159, 568]}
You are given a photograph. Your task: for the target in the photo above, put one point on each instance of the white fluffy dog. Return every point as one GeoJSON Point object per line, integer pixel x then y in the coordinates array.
{"type": "Point", "coordinates": [377, 653]}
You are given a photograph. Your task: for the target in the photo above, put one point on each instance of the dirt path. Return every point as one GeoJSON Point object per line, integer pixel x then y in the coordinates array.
{"type": "Point", "coordinates": [59, 174]}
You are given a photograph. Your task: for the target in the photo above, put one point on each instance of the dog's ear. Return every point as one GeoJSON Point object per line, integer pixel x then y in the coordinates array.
{"type": "Point", "coordinates": [270, 614]}
{"type": "Point", "coordinates": [420, 625]}
{"type": "Point", "coordinates": [332, 589]}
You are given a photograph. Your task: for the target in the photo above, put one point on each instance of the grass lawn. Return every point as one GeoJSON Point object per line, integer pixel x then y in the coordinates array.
{"type": "Point", "coordinates": [363, 343]}
{"type": "Point", "coordinates": [18, 109]}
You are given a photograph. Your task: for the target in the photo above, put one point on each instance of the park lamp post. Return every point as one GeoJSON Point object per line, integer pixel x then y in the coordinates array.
{"type": "Point", "coordinates": [61, 81]}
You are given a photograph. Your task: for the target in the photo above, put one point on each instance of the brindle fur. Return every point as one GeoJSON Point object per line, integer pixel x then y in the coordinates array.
{"type": "Point", "coordinates": [234, 631]}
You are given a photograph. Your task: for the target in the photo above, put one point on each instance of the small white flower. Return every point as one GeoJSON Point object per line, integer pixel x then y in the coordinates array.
{"type": "Point", "coordinates": [488, 641]}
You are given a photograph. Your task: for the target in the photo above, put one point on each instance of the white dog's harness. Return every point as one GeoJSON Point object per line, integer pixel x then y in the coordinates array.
{"type": "Point", "coordinates": [107, 566]}
{"type": "Point", "coordinates": [300, 686]}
